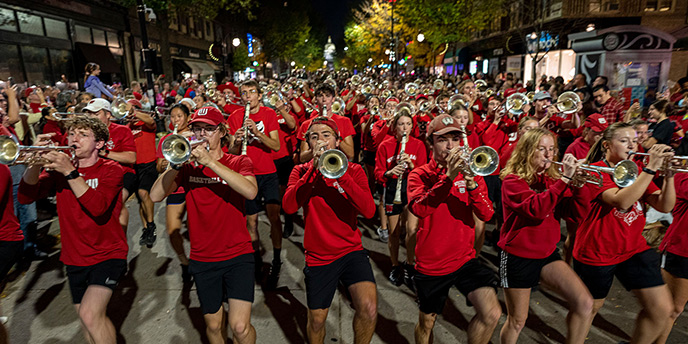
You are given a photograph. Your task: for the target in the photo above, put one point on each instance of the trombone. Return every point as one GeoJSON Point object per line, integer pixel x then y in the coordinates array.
{"type": "Point", "coordinates": [623, 174]}
{"type": "Point", "coordinates": [58, 115]}
{"type": "Point", "coordinates": [177, 149]}
{"type": "Point", "coordinates": [10, 150]}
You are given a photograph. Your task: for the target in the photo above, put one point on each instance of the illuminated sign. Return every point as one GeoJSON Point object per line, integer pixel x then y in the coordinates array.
{"type": "Point", "coordinates": [249, 39]}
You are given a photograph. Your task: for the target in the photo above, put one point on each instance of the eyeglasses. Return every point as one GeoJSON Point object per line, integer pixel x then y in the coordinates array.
{"type": "Point", "coordinates": [246, 93]}
{"type": "Point", "coordinates": [200, 130]}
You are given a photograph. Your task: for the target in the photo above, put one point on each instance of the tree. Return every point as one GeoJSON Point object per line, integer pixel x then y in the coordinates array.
{"type": "Point", "coordinates": [310, 54]}
{"type": "Point", "coordinates": [208, 9]}
{"type": "Point", "coordinates": [284, 29]}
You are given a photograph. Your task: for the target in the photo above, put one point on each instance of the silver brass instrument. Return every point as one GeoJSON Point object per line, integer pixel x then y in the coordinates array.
{"type": "Point", "coordinates": [457, 99]}
{"type": "Point", "coordinates": [623, 174]}
{"type": "Point", "coordinates": [404, 108]}
{"type": "Point", "coordinates": [480, 84]}
{"type": "Point", "coordinates": [210, 87]}
{"type": "Point", "coordinates": [333, 164]}
{"type": "Point", "coordinates": [58, 115]}
{"type": "Point", "coordinates": [483, 161]}
{"type": "Point", "coordinates": [11, 150]}
{"type": "Point", "coordinates": [515, 103]}
{"type": "Point", "coordinates": [438, 84]}
{"type": "Point", "coordinates": [367, 90]}
{"type": "Point", "coordinates": [338, 106]}
{"type": "Point", "coordinates": [567, 102]}
{"type": "Point", "coordinates": [271, 98]}
{"type": "Point", "coordinates": [177, 149]}
{"type": "Point", "coordinates": [356, 80]}
{"type": "Point", "coordinates": [668, 163]}
{"type": "Point", "coordinates": [411, 89]}
{"type": "Point", "coordinates": [120, 111]}
{"type": "Point", "coordinates": [397, 193]}
{"type": "Point", "coordinates": [426, 106]}
{"type": "Point", "coordinates": [286, 87]}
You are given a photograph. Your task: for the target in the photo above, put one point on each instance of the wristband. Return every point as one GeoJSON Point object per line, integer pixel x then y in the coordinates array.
{"type": "Point", "coordinates": [72, 175]}
{"type": "Point", "coordinates": [569, 178]}
{"type": "Point", "coordinates": [469, 189]}
{"type": "Point", "coordinates": [649, 171]}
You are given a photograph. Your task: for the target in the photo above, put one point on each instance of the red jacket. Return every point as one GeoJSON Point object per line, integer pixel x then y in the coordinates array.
{"type": "Point", "coordinates": [445, 208]}
{"type": "Point", "coordinates": [330, 208]}
{"type": "Point", "coordinates": [388, 153]}
{"type": "Point", "coordinates": [676, 239]}
{"type": "Point", "coordinates": [9, 224]}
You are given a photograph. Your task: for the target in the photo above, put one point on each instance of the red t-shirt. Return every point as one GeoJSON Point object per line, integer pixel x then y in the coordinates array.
{"type": "Point", "coordinates": [89, 225]}
{"type": "Point", "coordinates": [260, 154]}
{"type": "Point", "coordinates": [676, 239]}
{"type": "Point", "coordinates": [144, 139]}
{"type": "Point", "coordinates": [579, 148]}
{"type": "Point", "coordinates": [121, 140]}
{"type": "Point", "coordinates": [445, 210]}
{"type": "Point", "coordinates": [215, 212]}
{"type": "Point", "coordinates": [532, 215]}
{"type": "Point", "coordinates": [230, 108]}
{"type": "Point", "coordinates": [9, 224]}
{"type": "Point", "coordinates": [54, 127]}
{"type": "Point", "coordinates": [344, 125]}
{"type": "Point", "coordinates": [608, 235]}
{"type": "Point", "coordinates": [287, 138]}
{"type": "Point", "coordinates": [388, 153]}
{"type": "Point", "coordinates": [330, 210]}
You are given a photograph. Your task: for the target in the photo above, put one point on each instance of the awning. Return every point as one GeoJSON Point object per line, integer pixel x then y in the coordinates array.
{"type": "Point", "coordinates": [100, 55]}
{"type": "Point", "coordinates": [200, 67]}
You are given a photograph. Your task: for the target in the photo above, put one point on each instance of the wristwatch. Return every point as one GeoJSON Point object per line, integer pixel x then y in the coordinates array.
{"type": "Point", "coordinates": [72, 175]}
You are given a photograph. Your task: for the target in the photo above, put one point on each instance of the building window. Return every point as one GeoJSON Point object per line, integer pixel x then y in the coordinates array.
{"type": "Point", "coordinates": [99, 37]}
{"type": "Point", "coordinates": [554, 9]}
{"type": "Point", "coordinates": [603, 5]}
{"type": "Point", "coordinates": [62, 63]}
{"type": "Point", "coordinates": [56, 28]}
{"type": "Point", "coordinates": [37, 65]}
{"type": "Point", "coordinates": [7, 20]}
{"type": "Point", "coordinates": [113, 39]}
{"type": "Point", "coordinates": [30, 24]}
{"type": "Point", "coordinates": [658, 5]}
{"type": "Point", "coordinates": [82, 33]}
{"type": "Point", "coordinates": [11, 65]}
{"type": "Point", "coordinates": [192, 28]}
{"type": "Point", "coordinates": [174, 21]}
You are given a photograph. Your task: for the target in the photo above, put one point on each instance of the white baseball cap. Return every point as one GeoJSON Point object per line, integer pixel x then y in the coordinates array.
{"type": "Point", "coordinates": [98, 104]}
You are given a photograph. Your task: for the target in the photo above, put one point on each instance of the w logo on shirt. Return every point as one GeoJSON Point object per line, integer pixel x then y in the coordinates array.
{"type": "Point", "coordinates": [92, 183]}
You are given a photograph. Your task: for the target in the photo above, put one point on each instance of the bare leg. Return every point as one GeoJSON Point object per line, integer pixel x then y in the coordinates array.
{"type": "Point", "coordinates": [240, 322]}
{"type": "Point", "coordinates": [488, 312]}
{"type": "Point", "coordinates": [252, 226]}
{"type": "Point", "coordinates": [174, 214]}
{"type": "Point", "coordinates": [423, 331]}
{"type": "Point", "coordinates": [657, 307]}
{"type": "Point", "coordinates": [517, 305]}
{"type": "Point", "coordinates": [315, 330]}
{"type": "Point", "coordinates": [411, 230]}
{"type": "Point", "coordinates": [273, 211]}
{"type": "Point", "coordinates": [147, 206]}
{"type": "Point", "coordinates": [679, 291]}
{"type": "Point", "coordinates": [124, 214]}
{"type": "Point", "coordinates": [570, 239]}
{"type": "Point", "coordinates": [393, 243]}
{"type": "Point", "coordinates": [383, 215]}
{"type": "Point", "coordinates": [364, 296]}
{"type": "Point", "coordinates": [215, 326]}
{"type": "Point", "coordinates": [479, 234]}
{"type": "Point", "coordinates": [91, 310]}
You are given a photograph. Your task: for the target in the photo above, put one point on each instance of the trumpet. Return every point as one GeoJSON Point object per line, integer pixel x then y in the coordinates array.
{"type": "Point", "coordinates": [210, 87]}
{"type": "Point", "coordinates": [338, 106]}
{"type": "Point", "coordinates": [530, 95]}
{"type": "Point", "coordinates": [567, 102]}
{"type": "Point", "coordinates": [438, 84]}
{"type": "Point", "coordinates": [515, 103]}
{"type": "Point", "coordinates": [333, 164]}
{"type": "Point", "coordinates": [623, 174]}
{"type": "Point", "coordinates": [356, 80]}
{"type": "Point", "coordinates": [426, 106]}
{"type": "Point", "coordinates": [397, 193]}
{"type": "Point", "coordinates": [177, 149]}
{"type": "Point", "coordinates": [271, 98]}
{"type": "Point", "coordinates": [367, 90]}
{"type": "Point", "coordinates": [58, 115]}
{"type": "Point", "coordinates": [286, 87]}
{"type": "Point", "coordinates": [411, 89]}
{"type": "Point", "coordinates": [482, 161]}
{"type": "Point", "coordinates": [386, 94]}
{"type": "Point", "coordinates": [668, 163]}
{"type": "Point", "coordinates": [11, 150]}
{"type": "Point", "coordinates": [120, 111]}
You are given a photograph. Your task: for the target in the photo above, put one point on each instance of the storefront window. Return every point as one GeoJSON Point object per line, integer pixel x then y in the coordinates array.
{"type": "Point", "coordinates": [7, 21]}
{"type": "Point", "coordinates": [29, 23]}
{"type": "Point", "coordinates": [56, 28]}
{"type": "Point", "coordinates": [658, 5]}
{"type": "Point", "coordinates": [113, 40]}
{"type": "Point", "coordinates": [99, 37]}
{"type": "Point", "coordinates": [10, 64]}
{"type": "Point", "coordinates": [62, 63]}
{"type": "Point", "coordinates": [37, 65]}
{"type": "Point", "coordinates": [82, 33]}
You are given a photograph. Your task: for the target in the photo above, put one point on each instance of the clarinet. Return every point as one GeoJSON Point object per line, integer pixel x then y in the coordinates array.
{"type": "Point", "coordinates": [244, 144]}
{"type": "Point", "coordinates": [397, 194]}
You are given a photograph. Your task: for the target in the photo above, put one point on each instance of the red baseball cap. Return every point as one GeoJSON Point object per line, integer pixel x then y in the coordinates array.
{"type": "Point", "coordinates": [596, 122]}
{"type": "Point", "coordinates": [137, 95]}
{"type": "Point", "coordinates": [230, 86]}
{"type": "Point", "coordinates": [28, 91]}
{"type": "Point", "coordinates": [209, 115]}
{"type": "Point", "coordinates": [326, 121]}
{"type": "Point", "coordinates": [509, 91]}
{"type": "Point", "coordinates": [421, 96]}
{"type": "Point", "coordinates": [443, 124]}
{"type": "Point", "coordinates": [135, 103]}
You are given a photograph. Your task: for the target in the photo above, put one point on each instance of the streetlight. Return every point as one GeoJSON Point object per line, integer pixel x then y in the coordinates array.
{"type": "Point", "coordinates": [370, 60]}
{"type": "Point", "coordinates": [293, 63]}
{"type": "Point", "coordinates": [236, 42]}
{"type": "Point", "coordinates": [346, 48]}
{"type": "Point", "coordinates": [387, 51]}
{"type": "Point", "coordinates": [420, 38]}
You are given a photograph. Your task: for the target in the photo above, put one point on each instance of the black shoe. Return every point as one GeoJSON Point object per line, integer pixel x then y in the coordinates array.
{"type": "Point", "coordinates": [144, 235]}
{"type": "Point", "coordinates": [288, 228]}
{"type": "Point", "coordinates": [409, 272]}
{"type": "Point", "coordinates": [186, 275]}
{"type": "Point", "coordinates": [35, 254]}
{"type": "Point", "coordinates": [273, 275]}
{"type": "Point", "coordinates": [396, 276]}
{"type": "Point", "coordinates": [152, 235]}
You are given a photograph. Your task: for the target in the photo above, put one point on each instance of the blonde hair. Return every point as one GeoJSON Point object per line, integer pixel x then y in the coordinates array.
{"type": "Point", "coordinates": [521, 161]}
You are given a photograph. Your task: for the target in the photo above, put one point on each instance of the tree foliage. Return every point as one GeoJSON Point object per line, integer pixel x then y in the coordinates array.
{"type": "Point", "coordinates": [282, 29]}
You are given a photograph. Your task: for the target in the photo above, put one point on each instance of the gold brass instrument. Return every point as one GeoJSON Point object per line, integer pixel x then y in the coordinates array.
{"type": "Point", "coordinates": [457, 99]}
{"type": "Point", "coordinates": [384, 84]}
{"type": "Point", "coordinates": [669, 164]}
{"type": "Point", "coordinates": [623, 174]}
{"type": "Point", "coordinates": [397, 192]}
{"type": "Point", "coordinates": [332, 83]}
{"type": "Point", "coordinates": [426, 90]}
{"type": "Point", "coordinates": [567, 102]}
{"type": "Point", "coordinates": [488, 92]}
{"type": "Point", "coordinates": [515, 103]}
{"type": "Point", "coordinates": [480, 84]}
{"type": "Point", "coordinates": [426, 106]}
{"type": "Point", "coordinates": [386, 94]}
{"type": "Point", "coordinates": [530, 95]}
{"type": "Point", "coordinates": [11, 150]}
{"type": "Point", "coordinates": [404, 108]}
{"type": "Point", "coordinates": [482, 161]}
{"type": "Point", "coordinates": [338, 106]}
{"type": "Point", "coordinates": [375, 111]}
{"type": "Point", "coordinates": [367, 90]}
{"type": "Point", "coordinates": [411, 89]}
{"type": "Point", "coordinates": [244, 143]}
{"type": "Point", "coordinates": [271, 98]}
{"type": "Point", "coordinates": [177, 149]}
{"type": "Point", "coordinates": [286, 87]}
{"type": "Point", "coordinates": [438, 84]}
{"type": "Point", "coordinates": [210, 87]}
{"type": "Point", "coordinates": [333, 164]}
{"type": "Point", "coordinates": [356, 80]}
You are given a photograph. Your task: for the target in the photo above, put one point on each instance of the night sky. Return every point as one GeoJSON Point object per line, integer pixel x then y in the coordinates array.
{"type": "Point", "coordinates": [333, 14]}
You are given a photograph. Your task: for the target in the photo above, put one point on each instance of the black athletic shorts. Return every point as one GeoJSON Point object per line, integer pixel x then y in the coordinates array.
{"type": "Point", "coordinates": [219, 281]}
{"type": "Point", "coordinates": [638, 272]}
{"type": "Point", "coordinates": [390, 192]}
{"type": "Point", "coordinates": [494, 192]}
{"type": "Point", "coordinates": [369, 157]}
{"type": "Point", "coordinates": [176, 198]}
{"type": "Point", "coordinates": [106, 273]}
{"type": "Point", "coordinates": [518, 272]}
{"type": "Point", "coordinates": [10, 253]}
{"type": "Point", "coordinates": [672, 263]}
{"type": "Point", "coordinates": [268, 193]}
{"type": "Point", "coordinates": [433, 291]}
{"type": "Point", "coordinates": [129, 182]}
{"type": "Point", "coordinates": [322, 281]}
{"type": "Point", "coordinates": [146, 174]}
{"type": "Point", "coordinates": [284, 166]}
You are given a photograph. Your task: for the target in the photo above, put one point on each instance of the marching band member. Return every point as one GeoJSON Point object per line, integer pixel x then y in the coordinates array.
{"type": "Point", "coordinates": [367, 142]}
{"type": "Point", "coordinates": [221, 260]}
{"type": "Point", "coordinates": [524, 124]}
{"type": "Point", "coordinates": [392, 167]}
{"type": "Point", "coordinates": [11, 236]}
{"type": "Point", "coordinates": [94, 247]}
{"type": "Point", "coordinates": [444, 199]}
{"type": "Point", "coordinates": [283, 158]}
{"type": "Point", "coordinates": [120, 147]}
{"type": "Point", "coordinates": [263, 141]}
{"type": "Point", "coordinates": [609, 241]}
{"type": "Point", "coordinates": [535, 196]}
{"type": "Point", "coordinates": [332, 240]}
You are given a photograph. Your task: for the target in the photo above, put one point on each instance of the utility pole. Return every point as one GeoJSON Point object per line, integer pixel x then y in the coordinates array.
{"type": "Point", "coordinates": [392, 52]}
{"type": "Point", "coordinates": [147, 54]}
